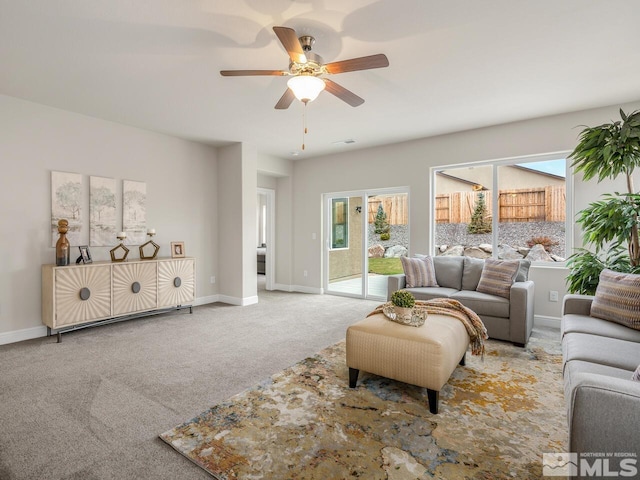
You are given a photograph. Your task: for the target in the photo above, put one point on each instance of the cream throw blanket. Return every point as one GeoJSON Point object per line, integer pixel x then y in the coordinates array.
{"type": "Point", "coordinates": [453, 308]}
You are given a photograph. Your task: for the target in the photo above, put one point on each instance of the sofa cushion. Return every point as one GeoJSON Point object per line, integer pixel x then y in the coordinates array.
{"type": "Point", "coordinates": [602, 350]}
{"type": "Point", "coordinates": [449, 271]}
{"type": "Point", "coordinates": [523, 271]}
{"type": "Point", "coordinates": [617, 298]}
{"type": "Point", "coordinates": [498, 276]}
{"type": "Point", "coordinates": [471, 272]}
{"type": "Point", "coordinates": [483, 303]}
{"type": "Point", "coordinates": [429, 293]}
{"type": "Point", "coordinates": [419, 272]}
{"type": "Point", "coordinates": [574, 323]}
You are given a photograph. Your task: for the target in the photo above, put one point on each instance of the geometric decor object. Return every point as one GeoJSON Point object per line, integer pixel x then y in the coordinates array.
{"type": "Point", "coordinates": [120, 252]}
{"type": "Point", "coordinates": [150, 249]}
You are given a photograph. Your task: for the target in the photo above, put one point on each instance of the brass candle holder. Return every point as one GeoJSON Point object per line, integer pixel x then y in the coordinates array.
{"type": "Point", "coordinates": [148, 247]}
{"type": "Point", "coordinates": [119, 249]}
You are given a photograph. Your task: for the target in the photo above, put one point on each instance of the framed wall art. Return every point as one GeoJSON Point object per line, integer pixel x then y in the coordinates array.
{"type": "Point", "coordinates": [66, 202]}
{"type": "Point", "coordinates": [134, 211]}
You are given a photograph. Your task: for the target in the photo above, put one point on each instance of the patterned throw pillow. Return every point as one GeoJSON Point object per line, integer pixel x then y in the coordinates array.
{"type": "Point", "coordinates": [498, 276]}
{"type": "Point", "coordinates": [419, 272]}
{"type": "Point", "coordinates": [636, 375]}
{"type": "Point", "coordinates": [617, 298]}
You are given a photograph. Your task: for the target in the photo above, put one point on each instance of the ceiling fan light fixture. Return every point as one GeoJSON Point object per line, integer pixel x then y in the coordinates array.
{"type": "Point", "coordinates": [306, 88]}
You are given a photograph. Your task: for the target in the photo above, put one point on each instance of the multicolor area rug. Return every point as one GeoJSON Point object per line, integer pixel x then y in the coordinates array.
{"type": "Point", "coordinates": [496, 419]}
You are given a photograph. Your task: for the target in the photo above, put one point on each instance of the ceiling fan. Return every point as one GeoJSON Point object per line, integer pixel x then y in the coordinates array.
{"type": "Point", "coordinates": [306, 68]}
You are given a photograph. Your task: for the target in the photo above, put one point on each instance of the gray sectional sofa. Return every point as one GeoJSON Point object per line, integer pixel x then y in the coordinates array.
{"type": "Point", "coordinates": [506, 319]}
{"type": "Point", "coordinates": [603, 402]}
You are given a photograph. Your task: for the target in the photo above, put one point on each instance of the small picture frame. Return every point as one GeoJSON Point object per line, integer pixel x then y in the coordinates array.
{"type": "Point", "coordinates": [85, 254]}
{"type": "Point", "coordinates": [177, 249]}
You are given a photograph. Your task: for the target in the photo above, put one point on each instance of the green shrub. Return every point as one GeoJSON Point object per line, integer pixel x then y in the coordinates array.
{"type": "Point", "coordinates": [402, 298]}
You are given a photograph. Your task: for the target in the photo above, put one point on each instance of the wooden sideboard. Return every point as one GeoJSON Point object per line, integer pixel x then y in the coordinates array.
{"type": "Point", "coordinates": [77, 296]}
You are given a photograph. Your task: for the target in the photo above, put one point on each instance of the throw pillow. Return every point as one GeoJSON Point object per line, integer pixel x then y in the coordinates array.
{"type": "Point", "coordinates": [523, 271]}
{"type": "Point", "coordinates": [471, 273]}
{"type": "Point", "coordinates": [636, 374]}
{"type": "Point", "coordinates": [498, 276]}
{"type": "Point", "coordinates": [617, 298]}
{"type": "Point", "coordinates": [419, 272]}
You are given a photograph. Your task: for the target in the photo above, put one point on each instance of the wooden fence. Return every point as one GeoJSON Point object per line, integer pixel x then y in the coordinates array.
{"type": "Point", "coordinates": [540, 204]}
{"type": "Point", "coordinates": [395, 206]}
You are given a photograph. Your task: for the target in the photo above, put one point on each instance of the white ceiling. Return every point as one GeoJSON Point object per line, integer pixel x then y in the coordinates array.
{"type": "Point", "coordinates": [454, 64]}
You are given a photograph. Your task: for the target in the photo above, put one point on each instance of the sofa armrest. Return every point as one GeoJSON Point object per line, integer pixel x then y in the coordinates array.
{"type": "Point", "coordinates": [395, 282]}
{"type": "Point", "coordinates": [577, 304]}
{"type": "Point", "coordinates": [604, 413]}
{"type": "Point", "coordinates": [521, 311]}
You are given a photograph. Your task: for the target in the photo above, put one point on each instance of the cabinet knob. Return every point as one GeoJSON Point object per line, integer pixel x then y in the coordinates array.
{"type": "Point", "coordinates": [135, 287]}
{"type": "Point", "coordinates": [85, 293]}
{"type": "Point", "coordinates": [177, 282]}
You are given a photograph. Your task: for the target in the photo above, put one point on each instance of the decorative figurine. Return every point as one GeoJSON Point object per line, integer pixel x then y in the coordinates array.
{"type": "Point", "coordinates": [150, 244]}
{"type": "Point", "coordinates": [63, 247]}
{"type": "Point", "coordinates": [114, 258]}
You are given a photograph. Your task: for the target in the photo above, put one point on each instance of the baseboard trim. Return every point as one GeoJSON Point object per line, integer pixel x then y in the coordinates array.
{"type": "Point", "coordinates": [21, 335]}
{"type": "Point", "coordinates": [545, 321]}
{"type": "Point", "coordinates": [303, 289]}
{"type": "Point", "coordinates": [206, 300]}
{"type": "Point", "coordinates": [282, 287]}
{"type": "Point", "coordinates": [240, 302]}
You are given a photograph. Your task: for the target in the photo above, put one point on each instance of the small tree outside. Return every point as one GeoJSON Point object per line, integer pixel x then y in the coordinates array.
{"type": "Point", "coordinates": [381, 224]}
{"type": "Point", "coordinates": [480, 222]}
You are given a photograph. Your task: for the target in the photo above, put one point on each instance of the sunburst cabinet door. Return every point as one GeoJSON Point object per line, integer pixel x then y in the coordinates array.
{"type": "Point", "coordinates": [82, 294]}
{"type": "Point", "coordinates": [135, 287]}
{"type": "Point", "coordinates": [176, 282]}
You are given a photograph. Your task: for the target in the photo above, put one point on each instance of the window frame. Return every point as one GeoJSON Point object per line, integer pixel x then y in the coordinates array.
{"type": "Point", "coordinates": [494, 164]}
{"type": "Point", "coordinates": [344, 200]}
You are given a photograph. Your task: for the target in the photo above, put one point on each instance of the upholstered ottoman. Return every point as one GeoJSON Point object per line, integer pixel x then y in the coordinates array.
{"type": "Point", "coordinates": [424, 356]}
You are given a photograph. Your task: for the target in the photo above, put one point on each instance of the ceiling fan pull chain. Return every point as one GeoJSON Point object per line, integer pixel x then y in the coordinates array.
{"type": "Point", "coordinates": [304, 122]}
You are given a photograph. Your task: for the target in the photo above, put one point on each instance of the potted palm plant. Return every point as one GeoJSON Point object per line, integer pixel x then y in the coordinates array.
{"type": "Point", "coordinates": [610, 225]}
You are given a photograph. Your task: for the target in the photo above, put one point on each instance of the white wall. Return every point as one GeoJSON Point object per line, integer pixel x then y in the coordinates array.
{"type": "Point", "coordinates": [181, 180]}
{"type": "Point", "coordinates": [408, 163]}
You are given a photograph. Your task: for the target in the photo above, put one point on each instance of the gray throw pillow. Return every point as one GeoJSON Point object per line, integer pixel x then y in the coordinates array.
{"type": "Point", "coordinates": [449, 271]}
{"type": "Point", "coordinates": [471, 273]}
{"type": "Point", "coordinates": [523, 271]}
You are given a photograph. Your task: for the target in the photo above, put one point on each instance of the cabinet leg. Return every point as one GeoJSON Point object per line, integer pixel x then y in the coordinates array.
{"type": "Point", "coordinates": [59, 337]}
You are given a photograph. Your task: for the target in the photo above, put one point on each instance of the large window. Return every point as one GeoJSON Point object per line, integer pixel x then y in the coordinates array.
{"type": "Point", "coordinates": [340, 223]}
{"type": "Point", "coordinates": [507, 209]}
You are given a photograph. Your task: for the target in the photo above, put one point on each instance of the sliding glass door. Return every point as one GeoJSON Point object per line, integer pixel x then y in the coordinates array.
{"type": "Point", "coordinates": [366, 233]}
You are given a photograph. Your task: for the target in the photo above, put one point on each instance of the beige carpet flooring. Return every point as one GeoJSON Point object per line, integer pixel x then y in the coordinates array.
{"type": "Point", "coordinates": [92, 407]}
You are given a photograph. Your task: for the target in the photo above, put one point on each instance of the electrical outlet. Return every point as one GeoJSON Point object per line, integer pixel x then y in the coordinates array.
{"type": "Point", "coordinates": [313, 236]}
{"type": "Point", "coordinates": [553, 295]}
{"type": "Point", "coordinates": [213, 279]}
{"type": "Point", "coordinates": [305, 273]}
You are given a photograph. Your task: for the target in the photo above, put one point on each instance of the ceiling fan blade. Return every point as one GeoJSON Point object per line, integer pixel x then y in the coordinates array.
{"type": "Point", "coordinates": [243, 73]}
{"type": "Point", "coordinates": [342, 93]}
{"type": "Point", "coordinates": [285, 100]}
{"type": "Point", "coordinates": [289, 39]}
{"type": "Point", "coordinates": [361, 63]}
